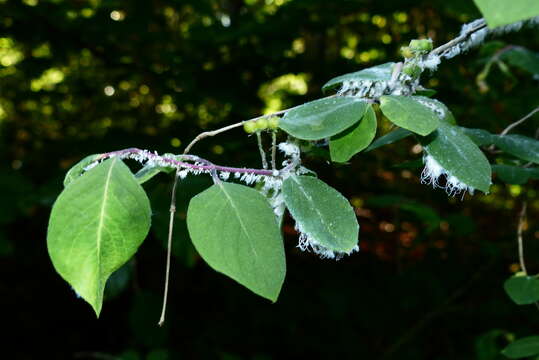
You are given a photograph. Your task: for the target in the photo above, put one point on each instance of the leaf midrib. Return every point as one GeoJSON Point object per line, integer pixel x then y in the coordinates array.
{"type": "Point", "coordinates": [100, 225]}
{"type": "Point", "coordinates": [243, 227]}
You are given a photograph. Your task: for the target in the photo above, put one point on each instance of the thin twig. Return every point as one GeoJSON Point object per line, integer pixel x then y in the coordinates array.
{"type": "Point", "coordinates": [230, 127]}
{"type": "Point", "coordinates": [518, 122]}
{"type": "Point", "coordinates": [273, 150]}
{"type": "Point", "coordinates": [144, 154]}
{"type": "Point", "coordinates": [520, 229]}
{"type": "Point", "coordinates": [448, 45]}
{"type": "Point", "coordinates": [261, 149]}
{"type": "Point", "coordinates": [169, 246]}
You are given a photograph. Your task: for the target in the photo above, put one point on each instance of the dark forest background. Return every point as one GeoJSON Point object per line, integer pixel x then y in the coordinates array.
{"type": "Point", "coordinates": [90, 76]}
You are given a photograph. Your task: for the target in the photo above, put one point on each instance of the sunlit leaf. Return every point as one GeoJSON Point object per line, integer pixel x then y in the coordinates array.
{"type": "Point", "coordinates": [235, 231]}
{"type": "Point", "coordinates": [376, 73]}
{"type": "Point", "coordinates": [354, 139]}
{"type": "Point", "coordinates": [321, 213]}
{"type": "Point", "coordinates": [96, 225]}
{"type": "Point", "coordinates": [323, 118]}
{"type": "Point", "coordinates": [410, 112]}
{"type": "Point", "coordinates": [78, 169]}
{"type": "Point", "coordinates": [498, 12]}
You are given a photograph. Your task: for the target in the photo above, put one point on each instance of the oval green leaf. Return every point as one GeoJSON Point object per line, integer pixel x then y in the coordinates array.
{"type": "Point", "coordinates": [522, 58]}
{"type": "Point", "coordinates": [411, 113]}
{"type": "Point", "coordinates": [523, 147]}
{"type": "Point", "coordinates": [376, 73]}
{"type": "Point", "coordinates": [459, 156]}
{"type": "Point", "coordinates": [354, 139]}
{"type": "Point", "coordinates": [524, 347]}
{"type": "Point", "coordinates": [79, 168]}
{"type": "Point", "coordinates": [479, 136]}
{"type": "Point", "coordinates": [321, 213]}
{"type": "Point", "coordinates": [499, 12]}
{"type": "Point", "coordinates": [515, 174]}
{"type": "Point", "coordinates": [235, 231]}
{"type": "Point", "coordinates": [323, 118]}
{"type": "Point", "coordinates": [96, 225]}
{"type": "Point", "coordinates": [522, 290]}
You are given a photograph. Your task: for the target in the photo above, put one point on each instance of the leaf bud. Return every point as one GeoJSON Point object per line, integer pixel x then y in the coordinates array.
{"type": "Point", "coordinates": [422, 46]}
{"type": "Point", "coordinates": [412, 70]}
{"type": "Point", "coordinates": [261, 124]}
{"type": "Point", "coordinates": [249, 127]}
{"type": "Point", "coordinates": [407, 52]}
{"type": "Point", "coordinates": [273, 122]}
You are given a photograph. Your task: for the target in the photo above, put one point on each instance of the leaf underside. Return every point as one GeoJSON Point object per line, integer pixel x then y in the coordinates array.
{"type": "Point", "coordinates": [459, 156]}
{"type": "Point", "coordinates": [322, 213]}
{"type": "Point", "coordinates": [235, 231]}
{"type": "Point", "coordinates": [96, 225]}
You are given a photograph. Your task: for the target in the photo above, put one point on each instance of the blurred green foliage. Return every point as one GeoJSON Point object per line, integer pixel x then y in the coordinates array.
{"type": "Point", "coordinates": [90, 76]}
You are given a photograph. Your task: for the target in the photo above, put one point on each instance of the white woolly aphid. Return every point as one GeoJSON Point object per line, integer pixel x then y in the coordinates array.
{"type": "Point", "coordinates": [249, 178]}
{"type": "Point", "coordinates": [478, 37]}
{"type": "Point", "coordinates": [363, 88]}
{"type": "Point", "coordinates": [224, 175]}
{"type": "Point", "coordinates": [289, 149]}
{"type": "Point", "coordinates": [433, 105]}
{"type": "Point", "coordinates": [308, 243]}
{"type": "Point", "coordinates": [431, 62]}
{"type": "Point", "coordinates": [91, 166]}
{"type": "Point", "coordinates": [432, 173]}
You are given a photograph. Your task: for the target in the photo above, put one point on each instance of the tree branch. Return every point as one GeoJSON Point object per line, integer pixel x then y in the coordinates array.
{"type": "Point", "coordinates": [518, 122]}
{"type": "Point", "coordinates": [139, 154]}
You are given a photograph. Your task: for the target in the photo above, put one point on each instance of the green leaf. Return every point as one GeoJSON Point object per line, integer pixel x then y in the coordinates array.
{"type": "Point", "coordinates": [389, 138]}
{"type": "Point", "coordinates": [522, 290]}
{"type": "Point", "coordinates": [479, 136]}
{"type": "Point", "coordinates": [96, 225]}
{"type": "Point", "coordinates": [376, 73]}
{"type": "Point", "coordinates": [487, 345]}
{"type": "Point", "coordinates": [515, 174]}
{"type": "Point", "coordinates": [148, 171]}
{"type": "Point", "coordinates": [410, 112]}
{"type": "Point", "coordinates": [503, 12]}
{"type": "Point", "coordinates": [235, 231]}
{"type": "Point", "coordinates": [354, 139]}
{"type": "Point", "coordinates": [322, 214]}
{"type": "Point", "coordinates": [523, 147]}
{"type": "Point", "coordinates": [524, 347]}
{"type": "Point", "coordinates": [78, 169]}
{"type": "Point", "coordinates": [323, 118]}
{"type": "Point", "coordinates": [459, 156]}
{"type": "Point", "coordinates": [522, 58]}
